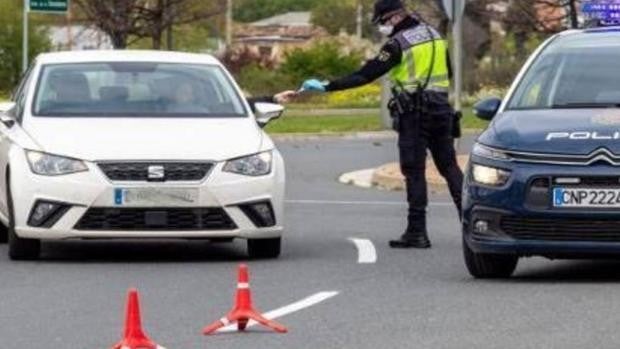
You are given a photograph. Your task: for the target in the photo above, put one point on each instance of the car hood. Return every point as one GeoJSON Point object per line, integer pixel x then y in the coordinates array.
{"type": "Point", "coordinates": [561, 131]}
{"type": "Point", "coordinates": [146, 138]}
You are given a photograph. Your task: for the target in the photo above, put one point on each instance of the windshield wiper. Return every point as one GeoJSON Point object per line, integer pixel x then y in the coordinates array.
{"type": "Point", "coordinates": [585, 105]}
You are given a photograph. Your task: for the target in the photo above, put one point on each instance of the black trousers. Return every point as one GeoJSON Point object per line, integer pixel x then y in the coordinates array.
{"type": "Point", "coordinates": [419, 132]}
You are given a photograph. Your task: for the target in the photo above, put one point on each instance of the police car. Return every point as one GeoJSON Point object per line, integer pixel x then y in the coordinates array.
{"type": "Point", "coordinates": [544, 178]}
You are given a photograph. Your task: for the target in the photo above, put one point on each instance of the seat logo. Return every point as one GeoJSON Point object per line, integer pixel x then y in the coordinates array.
{"type": "Point", "coordinates": [156, 172]}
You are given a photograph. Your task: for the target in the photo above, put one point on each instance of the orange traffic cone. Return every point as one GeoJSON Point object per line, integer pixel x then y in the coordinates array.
{"type": "Point", "coordinates": [243, 311]}
{"type": "Point", "coordinates": [134, 337]}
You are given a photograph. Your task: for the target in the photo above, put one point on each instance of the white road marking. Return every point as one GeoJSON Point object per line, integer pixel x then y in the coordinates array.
{"type": "Point", "coordinates": [288, 309]}
{"type": "Point", "coordinates": [366, 252]}
{"type": "Point", "coordinates": [377, 203]}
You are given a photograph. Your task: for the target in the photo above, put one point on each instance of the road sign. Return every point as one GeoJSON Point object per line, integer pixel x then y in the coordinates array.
{"type": "Point", "coordinates": [56, 6]}
{"type": "Point", "coordinates": [453, 8]}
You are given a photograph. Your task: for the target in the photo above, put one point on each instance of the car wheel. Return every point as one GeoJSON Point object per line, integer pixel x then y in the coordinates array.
{"type": "Point", "coordinates": [19, 249]}
{"type": "Point", "coordinates": [264, 248]}
{"type": "Point", "coordinates": [4, 234]}
{"type": "Point", "coordinates": [489, 266]}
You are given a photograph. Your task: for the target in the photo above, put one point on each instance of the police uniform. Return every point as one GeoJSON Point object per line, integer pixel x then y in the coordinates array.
{"type": "Point", "coordinates": [416, 54]}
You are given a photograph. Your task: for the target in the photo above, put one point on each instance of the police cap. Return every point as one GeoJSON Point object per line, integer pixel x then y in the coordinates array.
{"type": "Point", "coordinates": [383, 7]}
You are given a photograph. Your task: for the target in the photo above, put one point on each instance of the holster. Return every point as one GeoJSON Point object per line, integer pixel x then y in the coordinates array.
{"type": "Point", "coordinates": [456, 124]}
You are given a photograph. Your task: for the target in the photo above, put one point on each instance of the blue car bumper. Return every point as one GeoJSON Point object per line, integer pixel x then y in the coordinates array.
{"type": "Point", "coordinates": [520, 219]}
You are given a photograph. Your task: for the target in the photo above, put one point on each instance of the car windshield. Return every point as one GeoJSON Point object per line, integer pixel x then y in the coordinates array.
{"type": "Point", "coordinates": [573, 72]}
{"type": "Point", "coordinates": [136, 90]}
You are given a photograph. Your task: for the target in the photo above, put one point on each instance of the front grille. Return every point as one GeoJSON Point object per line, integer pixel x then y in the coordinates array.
{"type": "Point", "coordinates": [139, 171]}
{"type": "Point", "coordinates": [158, 219]}
{"type": "Point", "coordinates": [561, 229]}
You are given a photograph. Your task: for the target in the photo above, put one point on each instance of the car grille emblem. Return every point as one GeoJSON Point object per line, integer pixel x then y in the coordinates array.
{"type": "Point", "coordinates": [156, 172]}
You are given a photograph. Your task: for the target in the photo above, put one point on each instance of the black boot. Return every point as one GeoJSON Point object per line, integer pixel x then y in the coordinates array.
{"type": "Point", "coordinates": [412, 240]}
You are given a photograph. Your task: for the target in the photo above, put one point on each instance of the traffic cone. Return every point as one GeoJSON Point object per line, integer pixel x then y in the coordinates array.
{"type": "Point", "coordinates": [243, 311]}
{"type": "Point", "coordinates": [134, 337]}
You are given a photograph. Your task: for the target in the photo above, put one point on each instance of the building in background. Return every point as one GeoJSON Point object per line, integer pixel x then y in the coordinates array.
{"type": "Point", "coordinates": [268, 40]}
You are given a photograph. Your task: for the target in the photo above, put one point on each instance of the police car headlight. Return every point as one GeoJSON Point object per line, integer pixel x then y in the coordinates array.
{"type": "Point", "coordinates": [53, 165]}
{"type": "Point", "coordinates": [253, 165]}
{"type": "Point", "coordinates": [489, 153]}
{"type": "Point", "coordinates": [490, 176]}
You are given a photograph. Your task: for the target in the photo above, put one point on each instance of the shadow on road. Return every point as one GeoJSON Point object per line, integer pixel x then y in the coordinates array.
{"type": "Point", "coordinates": [578, 271]}
{"type": "Point", "coordinates": [142, 251]}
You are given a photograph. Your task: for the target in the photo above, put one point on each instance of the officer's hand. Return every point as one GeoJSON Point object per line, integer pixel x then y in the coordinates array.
{"type": "Point", "coordinates": [313, 85]}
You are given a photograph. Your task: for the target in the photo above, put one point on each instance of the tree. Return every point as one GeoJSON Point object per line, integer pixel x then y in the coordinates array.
{"type": "Point", "coordinates": [125, 20]}
{"type": "Point", "coordinates": [11, 42]}
{"type": "Point", "coordinates": [337, 15]}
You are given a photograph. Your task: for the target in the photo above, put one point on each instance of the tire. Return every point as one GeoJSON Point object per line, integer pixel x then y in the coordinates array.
{"type": "Point", "coordinates": [489, 266]}
{"type": "Point", "coordinates": [4, 234]}
{"type": "Point", "coordinates": [19, 249]}
{"type": "Point", "coordinates": [264, 248]}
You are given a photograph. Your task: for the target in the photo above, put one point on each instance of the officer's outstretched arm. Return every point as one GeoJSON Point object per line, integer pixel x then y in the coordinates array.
{"type": "Point", "coordinates": [389, 57]}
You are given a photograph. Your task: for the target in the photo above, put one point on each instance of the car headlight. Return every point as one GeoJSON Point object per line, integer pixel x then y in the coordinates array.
{"type": "Point", "coordinates": [253, 165]}
{"type": "Point", "coordinates": [53, 165]}
{"type": "Point", "coordinates": [489, 153]}
{"type": "Point", "coordinates": [491, 176]}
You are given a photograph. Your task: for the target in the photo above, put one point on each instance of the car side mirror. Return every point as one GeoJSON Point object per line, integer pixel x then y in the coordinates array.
{"type": "Point", "coordinates": [487, 108]}
{"type": "Point", "coordinates": [267, 112]}
{"type": "Point", "coordinates": [5, 117]}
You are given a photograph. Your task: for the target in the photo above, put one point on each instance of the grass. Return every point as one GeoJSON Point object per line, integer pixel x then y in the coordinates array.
{"type": "Point", "coordinates": [295, 121]}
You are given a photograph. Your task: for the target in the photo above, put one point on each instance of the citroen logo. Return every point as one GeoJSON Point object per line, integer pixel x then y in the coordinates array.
{"type": "Point", "coordinates": [156, 172]}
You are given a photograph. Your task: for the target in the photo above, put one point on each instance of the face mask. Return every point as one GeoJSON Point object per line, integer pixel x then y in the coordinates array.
{"type": "Point", "coordinates": [386, 29]}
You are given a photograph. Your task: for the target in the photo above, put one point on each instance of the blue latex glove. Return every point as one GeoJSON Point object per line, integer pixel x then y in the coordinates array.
{"type": "Point", "coordinates": [313, 85]}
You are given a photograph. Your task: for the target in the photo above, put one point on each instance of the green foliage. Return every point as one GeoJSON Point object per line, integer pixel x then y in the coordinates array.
{"type": "Point", "coordinates": [368, 96]}
{"type": "Point", "coordinates": [256, 80]}
{"type": "Point", "coordinates": [253, 10]}
{"type": "Point", "coordinates": [323, 60]}
{"type": "Point", "coordinates": [335, 16]}
{"type": "Point", "coordinates": [325, 124]}
{"type": "Point", "coordinates": [11, 43]}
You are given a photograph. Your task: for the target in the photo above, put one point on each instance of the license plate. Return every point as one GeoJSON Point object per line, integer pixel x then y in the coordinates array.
{"type": "Point", "coordinates": [586, 197]}
{"type": "Point", "coordinates": [146, 197]}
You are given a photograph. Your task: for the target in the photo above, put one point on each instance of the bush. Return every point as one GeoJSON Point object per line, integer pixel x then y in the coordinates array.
{"type": "Point", "coordinates": [258, 81]}
{"type": "Point", "coordinates": [368, 96]}
{"type": "Point", "coordinates": [323, 60]}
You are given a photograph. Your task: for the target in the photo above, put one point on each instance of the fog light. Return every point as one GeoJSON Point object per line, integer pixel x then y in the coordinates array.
{"type": "Point", "coordinates": [481, 227]}
{"type": "Point", "coordinates": [46, 213]}
{"type": "Point", "coordinates": [260, 213]}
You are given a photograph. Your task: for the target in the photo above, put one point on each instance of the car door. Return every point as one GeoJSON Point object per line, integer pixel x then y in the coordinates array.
{"type": "Point", "coordinates": [6, 132]}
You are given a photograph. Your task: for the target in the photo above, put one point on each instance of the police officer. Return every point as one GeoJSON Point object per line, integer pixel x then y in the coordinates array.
{"type": "Point", "coordinates": [416, 58]}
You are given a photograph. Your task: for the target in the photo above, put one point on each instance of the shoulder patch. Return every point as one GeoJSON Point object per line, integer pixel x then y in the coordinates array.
{"type": "Point", "coordinates": [384, 56]}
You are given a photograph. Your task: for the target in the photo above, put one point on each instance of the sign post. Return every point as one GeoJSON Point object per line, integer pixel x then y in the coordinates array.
{"type": "Point", "coordinates": [454, 10]}
{"type": "Point", "coordinates": [46, 6]}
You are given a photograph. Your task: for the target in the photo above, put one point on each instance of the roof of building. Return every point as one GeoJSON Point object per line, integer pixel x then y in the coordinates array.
{"type": "Point", "coordinates": [289, 19]}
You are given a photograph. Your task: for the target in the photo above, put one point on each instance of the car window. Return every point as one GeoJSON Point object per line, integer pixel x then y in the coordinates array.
{"type": "Point", "coordinates": [572, 73]}
{"type": "Point", "coordinates": [21, 94]}
{"type": "Point", "coordinates": [136, 90]}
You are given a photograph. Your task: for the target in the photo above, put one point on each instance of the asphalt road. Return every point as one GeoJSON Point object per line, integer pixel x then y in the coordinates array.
{"type": "Point", "coordinates": [74, 298]}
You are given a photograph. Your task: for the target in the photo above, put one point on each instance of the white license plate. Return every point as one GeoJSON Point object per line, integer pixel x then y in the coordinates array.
{"type": "Point", "coordinates": [146, 197]}
{"type": "Point", "coordinates": [586, 197]}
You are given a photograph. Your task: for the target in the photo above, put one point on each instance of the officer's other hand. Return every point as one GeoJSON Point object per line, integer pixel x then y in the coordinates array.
{"type": "Point", "coordinates": [313, 85]}
{"type": "Point", "coordinates": [285, 96]}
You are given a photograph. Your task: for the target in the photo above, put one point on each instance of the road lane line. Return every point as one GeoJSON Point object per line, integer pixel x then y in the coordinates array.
{"type": "Point", "coordinates": [366, 252]}
{"type": "Point", "coordinates": [288, 309]}
{"type": "Point", "coordinates": [377, 203]}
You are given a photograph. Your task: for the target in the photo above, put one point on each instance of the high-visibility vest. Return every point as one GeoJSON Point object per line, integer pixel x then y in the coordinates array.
{"type": "Point", "coordinates": [417, 45]}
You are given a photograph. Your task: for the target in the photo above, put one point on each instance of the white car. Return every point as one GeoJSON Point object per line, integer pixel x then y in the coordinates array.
{"type": "Point", "coordinates": [133, 145]}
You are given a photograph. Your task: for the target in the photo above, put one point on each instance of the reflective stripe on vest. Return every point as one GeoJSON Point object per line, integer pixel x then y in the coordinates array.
{"type": "Point", "coordinates": [417, 47]}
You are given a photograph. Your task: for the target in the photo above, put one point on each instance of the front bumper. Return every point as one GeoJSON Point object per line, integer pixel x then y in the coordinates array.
{"type": "Point", "coordinates": [514, 220]}
{"type": "Point", "coordinates": [92, 190]}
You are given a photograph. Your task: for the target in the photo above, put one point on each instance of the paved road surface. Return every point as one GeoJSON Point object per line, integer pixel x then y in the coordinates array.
{"type": "Point", "coordinates": [73, 299]}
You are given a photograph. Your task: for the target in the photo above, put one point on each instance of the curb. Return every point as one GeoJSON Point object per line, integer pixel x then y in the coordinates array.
{"type": "Point", "coordinates": [389, 176]}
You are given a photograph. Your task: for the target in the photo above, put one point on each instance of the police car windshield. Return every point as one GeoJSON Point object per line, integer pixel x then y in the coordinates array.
{"type": "Point", "coordinates": [576, 71]}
